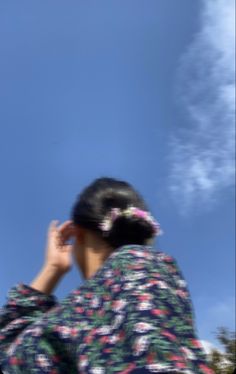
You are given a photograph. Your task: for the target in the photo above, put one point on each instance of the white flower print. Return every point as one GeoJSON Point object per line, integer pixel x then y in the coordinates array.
{"type": "Point", "coordinates": [145, 306]}
{"type": "Point", "coordinates": [64, 331]}
{"type": "Point", "coordinates": [108, 274]}
{"type": "Point", "coordinates": [181, 283]}
{"type": "Point", "coordinates": [95, 302]}
{"type": "Point", "coordinates": [188, 353]}
{"type": "Point", "coordinates": [113, 339]}
{"type": "Point", "coordinates": [162, 284]}
{"type": "Point", "coordinates": [134, 276]}
{"type": "Point", "coordinates": [129, 285]}
{"type": "Point", "coordinates": [118, 305]}
{"type": "Point", "coordinates": [156, 368]}
{"type": "Point", "coordinates": [37, 331]}
{"type": "Point", "coordinates": [43, 361]}
{"type": "Point", "coordinates": [82, 362]}
{"type": "Point", "coordinates": [143, 327]}
{"type": "Point", "coordinates": [118, 319]}
{"type": "Point", "coordinates": [78, 299]}
{"type": "Point", "coordinates": [97, 370]}
{"type": "Point", "coordinates": [140, 345]}
{"type": "Point", "coordinates": [104, 330]}
{"type": "Point", "coordinates": [11, 349]}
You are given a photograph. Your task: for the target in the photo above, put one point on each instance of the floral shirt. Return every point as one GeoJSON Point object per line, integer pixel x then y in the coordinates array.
{"type": "Point", "coordinates": [134, 315]}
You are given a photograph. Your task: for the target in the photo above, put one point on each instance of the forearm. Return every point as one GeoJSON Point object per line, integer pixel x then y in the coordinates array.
{"type": "Point", "coordinates": [46, 281]}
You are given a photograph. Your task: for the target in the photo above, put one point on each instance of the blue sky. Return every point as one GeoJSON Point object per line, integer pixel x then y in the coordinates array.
{"type": "Point", "coordinates": [121, 89]}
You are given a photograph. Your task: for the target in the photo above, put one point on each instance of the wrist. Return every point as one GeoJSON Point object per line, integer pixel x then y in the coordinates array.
{"type": "Point", "coordinates": [52, 270]}
{"type": "Point", "coordinates": [47, 279]}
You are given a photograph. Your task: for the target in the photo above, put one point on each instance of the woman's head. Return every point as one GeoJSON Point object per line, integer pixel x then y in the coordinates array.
{"type": "Point", "coordinates": [97, 200]}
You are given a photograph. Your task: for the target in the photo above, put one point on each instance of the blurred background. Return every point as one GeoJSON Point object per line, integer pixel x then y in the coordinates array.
{"type": "Point", "coordinates": [135, 90]}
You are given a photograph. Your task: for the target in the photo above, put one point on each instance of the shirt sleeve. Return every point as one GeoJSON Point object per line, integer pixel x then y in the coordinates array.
{"type": "Point", "coordinates": [45, 340]}
{"type": "Point", "coordinates": [24, 306]}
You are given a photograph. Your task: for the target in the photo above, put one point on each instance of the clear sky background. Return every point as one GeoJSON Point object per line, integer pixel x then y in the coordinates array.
{"type": "Point", "coordinates": [136, 90]}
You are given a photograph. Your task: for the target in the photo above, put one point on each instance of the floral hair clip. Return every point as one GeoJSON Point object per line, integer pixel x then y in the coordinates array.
{"type": "Point", "coordinates": [107, 223]}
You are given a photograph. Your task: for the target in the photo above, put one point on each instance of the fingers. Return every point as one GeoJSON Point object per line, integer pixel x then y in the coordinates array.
{"type": "Point", "coordinates": [64, 231]}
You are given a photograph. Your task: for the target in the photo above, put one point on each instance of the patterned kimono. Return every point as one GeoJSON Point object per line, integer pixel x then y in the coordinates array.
{"type": "Point", "coordinates": [134, 315]}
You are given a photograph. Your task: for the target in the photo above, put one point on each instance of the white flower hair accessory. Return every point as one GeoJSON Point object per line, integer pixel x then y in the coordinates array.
{"type": "Point", "coordinates": [107, 223]}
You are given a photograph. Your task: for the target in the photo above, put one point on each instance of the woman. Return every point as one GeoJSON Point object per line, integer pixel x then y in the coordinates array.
{"type": "Point", "coordinates": [133, 313]}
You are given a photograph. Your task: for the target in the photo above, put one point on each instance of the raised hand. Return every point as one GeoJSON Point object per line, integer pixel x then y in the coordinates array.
{"type": "Point", "coordinates": [58, 251]}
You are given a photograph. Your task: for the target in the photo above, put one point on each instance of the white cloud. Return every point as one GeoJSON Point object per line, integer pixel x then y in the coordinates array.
{"type": "Point", "coordinates": [202, 155]}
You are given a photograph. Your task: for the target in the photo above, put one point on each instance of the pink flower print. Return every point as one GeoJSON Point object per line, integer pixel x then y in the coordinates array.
{"type": "Point", "coordinates": [89, 312]}
{"type": "Point", "coordinates": [180, 365]}
{"type": "Point", "coordinates": [107, 350]}
{"type": "Point", "coordinates": [176, 358]}
{"type": "Point", "coordinates": [196, 343]}
{"type": "Point", "coordinates": [153, 282]}
{"type": "Point", "coordinates": [108, 282]}
{"type": "Point", "coordinates": [104, 339]}
{"type": "Point", "coordinates": [79, 309]}
{"type": "Point", "coordinates": [15, 361]}
{"type": "Point", "coordinates": [129, 369]}
{"type": "Point", "coordinates": [76, 292]}
{"type": "Point", "coordinates": [182, 294]}
{"type": "Point", "coordinates": [150, 357]}
{"type": "Point", "coordinates": [24, 291]}
{"type": "Point", "coordinates": [121, 335]}
{"type": "Point", "coordinates": [12, 302]}
{"type": "Point", "coordinates": [56, 358]}
{"type": "Point", "coordinates": [73, 332]}
{"type": "Point", "coordinates": [145, 297]}
{"type": "Point", "coordinates": [101, 312]}
{"type": "Point", "coordinates": [206, 369]}
{"type": "Point", "coordinates": [89, 295]}
{"type": "Point", "coordinates": [88, 339]}
{"type": "Point", "coordinates": [168, 335]}
{"type": "Point", "coordinates": [159, 312]}
{"type": "Point", "coordinates": [117, 272]}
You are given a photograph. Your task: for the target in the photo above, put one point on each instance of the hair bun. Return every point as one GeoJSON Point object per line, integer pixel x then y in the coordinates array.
{"type": "Point", "coordinates": [104, 195]}
{"type": "Point", "coordinates": [128, 225]}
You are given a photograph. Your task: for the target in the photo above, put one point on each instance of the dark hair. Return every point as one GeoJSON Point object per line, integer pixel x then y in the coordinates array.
{"type": "Point", "coordinates": [96, 201]}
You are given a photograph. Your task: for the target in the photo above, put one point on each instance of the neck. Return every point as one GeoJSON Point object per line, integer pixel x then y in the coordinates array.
{"type": "Point", "coordinates": [95, 254]}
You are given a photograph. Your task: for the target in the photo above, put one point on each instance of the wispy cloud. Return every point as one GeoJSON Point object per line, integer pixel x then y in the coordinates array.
{"type": "Point", "coordinates": [202, 155]}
